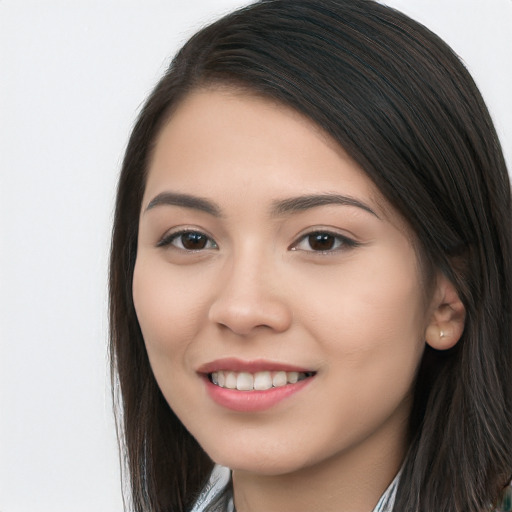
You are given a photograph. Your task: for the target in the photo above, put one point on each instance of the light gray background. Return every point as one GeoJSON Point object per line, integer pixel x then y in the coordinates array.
{"type": "Point", "coordinates": [73, 75]}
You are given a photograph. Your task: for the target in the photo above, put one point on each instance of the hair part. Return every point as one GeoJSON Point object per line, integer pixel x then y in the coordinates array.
{"type": "Point", "coordinates": [400, 103]}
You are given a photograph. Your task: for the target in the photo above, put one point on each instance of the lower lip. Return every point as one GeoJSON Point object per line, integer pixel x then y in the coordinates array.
{"type": "Point", "coordinates": [253, 401]}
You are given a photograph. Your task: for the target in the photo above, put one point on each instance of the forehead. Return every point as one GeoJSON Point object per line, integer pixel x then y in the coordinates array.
{"type": "Point", "coordinates": [223, 136]}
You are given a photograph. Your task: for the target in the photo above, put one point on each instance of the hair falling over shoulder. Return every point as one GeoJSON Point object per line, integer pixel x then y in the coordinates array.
{"type": "Point", "coordinates": [403, 106]}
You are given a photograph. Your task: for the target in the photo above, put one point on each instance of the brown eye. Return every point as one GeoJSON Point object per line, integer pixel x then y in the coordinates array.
{"type": "Point", "coordinates": [188, 241]}
{"type": "Point", "coordinates": [324, 242]}
{"type": "Point", "coordinates": [193, 241]}
{"type": "Point", "coordinates": [321, 241]}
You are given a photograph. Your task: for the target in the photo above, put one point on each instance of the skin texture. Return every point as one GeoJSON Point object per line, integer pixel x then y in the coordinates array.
{"type": "Point", "coordinates": [357, 315]}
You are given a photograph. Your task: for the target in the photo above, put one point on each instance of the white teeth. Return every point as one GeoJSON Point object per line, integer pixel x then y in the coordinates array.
{"type": "Point", "coordinates": [262, 381]}
{"type": "Point", "coordinates": [244, 382]}
{"type": "Point", "coordinates": [231, 380]}
{"type": "Point", "coordinates": [259, 381]}
{"type": "Point", "coordinates": [279, 379]}
{"type": "Point", "coordinates": [293, 377]}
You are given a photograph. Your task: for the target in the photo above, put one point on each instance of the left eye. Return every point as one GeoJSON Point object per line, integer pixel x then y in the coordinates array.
{"type": "Point", "coordinates": [188, 241]}
{"type": "Point", "coordinates": [323, 241]}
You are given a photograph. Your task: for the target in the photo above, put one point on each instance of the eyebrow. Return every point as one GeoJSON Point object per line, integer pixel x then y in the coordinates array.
{"type": "Point", "coordinates": [299, 204]}
{"type": "Point", "coordinates": [185, 201]}
{"type": "Point", "coordinates": [280, 207]}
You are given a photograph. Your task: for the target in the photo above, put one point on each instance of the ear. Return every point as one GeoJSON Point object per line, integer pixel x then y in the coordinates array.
{"type": "Point", "coordinates": [447, 318]}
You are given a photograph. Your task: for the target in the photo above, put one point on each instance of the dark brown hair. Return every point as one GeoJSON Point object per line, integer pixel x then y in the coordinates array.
{"type": "Point", "coordinates": [400, 102]}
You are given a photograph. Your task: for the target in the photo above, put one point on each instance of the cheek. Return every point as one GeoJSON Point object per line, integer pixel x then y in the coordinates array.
{"type": "Point", "coordinates": [370, 326]}
{"type": "Point", "coordinates": [370, 312]}
{"type": "Point", "coordinates": [168, 311]}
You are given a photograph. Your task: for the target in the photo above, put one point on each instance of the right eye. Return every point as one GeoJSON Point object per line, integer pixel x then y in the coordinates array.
{"type": "Point", "coordinates": [188, 240]}
{"type": "Point", "coordinates": [324, 242]}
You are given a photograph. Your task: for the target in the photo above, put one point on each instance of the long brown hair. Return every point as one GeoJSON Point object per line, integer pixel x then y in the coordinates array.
{"type": "Point", "coordinates": [400, 102]}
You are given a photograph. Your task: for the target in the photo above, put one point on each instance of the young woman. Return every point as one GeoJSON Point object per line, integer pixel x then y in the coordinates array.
{"type": "Point", "coordinates": [311, 272]}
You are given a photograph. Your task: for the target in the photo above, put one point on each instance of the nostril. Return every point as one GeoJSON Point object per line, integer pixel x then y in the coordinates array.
{"type": "Point", "coordinates": [245, 317]}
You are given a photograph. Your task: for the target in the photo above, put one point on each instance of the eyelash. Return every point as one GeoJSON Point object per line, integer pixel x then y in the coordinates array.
{"type": "Point", "coordinates": [177, 236]}
{"type": "Point", "coordinates": [340, 242]}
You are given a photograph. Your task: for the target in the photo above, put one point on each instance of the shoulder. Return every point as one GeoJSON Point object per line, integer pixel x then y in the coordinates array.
{"type": "Point", "coordinates": [505, 504]}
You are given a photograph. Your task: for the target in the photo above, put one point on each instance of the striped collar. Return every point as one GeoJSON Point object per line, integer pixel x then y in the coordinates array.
{"type": "Point", "coordinates": [221, 476]}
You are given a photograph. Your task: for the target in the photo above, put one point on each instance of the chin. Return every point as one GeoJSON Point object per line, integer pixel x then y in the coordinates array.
{"type": "Point", "coordinates": [271, 462]}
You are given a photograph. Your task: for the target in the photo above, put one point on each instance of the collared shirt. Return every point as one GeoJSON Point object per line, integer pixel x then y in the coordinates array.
{"type": "Point", "coordinates": [221, 476]}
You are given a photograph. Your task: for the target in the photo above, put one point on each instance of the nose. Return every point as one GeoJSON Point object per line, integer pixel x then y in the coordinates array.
{"type": "Point", "coordinates": [250, 298]}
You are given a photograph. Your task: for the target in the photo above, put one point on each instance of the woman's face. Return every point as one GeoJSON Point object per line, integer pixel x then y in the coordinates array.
{"type": "Point", "coordinates": [267, 259]}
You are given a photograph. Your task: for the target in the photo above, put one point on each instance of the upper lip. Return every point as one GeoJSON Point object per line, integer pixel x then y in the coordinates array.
{"type": "Point", "coordinates": [256, 365]}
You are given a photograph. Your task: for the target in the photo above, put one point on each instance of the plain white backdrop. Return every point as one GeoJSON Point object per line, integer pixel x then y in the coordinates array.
{"type": "Point", "coordinates": [73, 75]}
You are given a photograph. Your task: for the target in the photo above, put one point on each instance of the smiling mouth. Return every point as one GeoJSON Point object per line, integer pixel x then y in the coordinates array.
{"type": "Point", "coordinates": [259, 381]}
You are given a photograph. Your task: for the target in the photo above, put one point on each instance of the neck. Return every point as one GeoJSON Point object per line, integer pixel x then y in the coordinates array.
{"type": "Point", "coordinates": [352, 481]}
